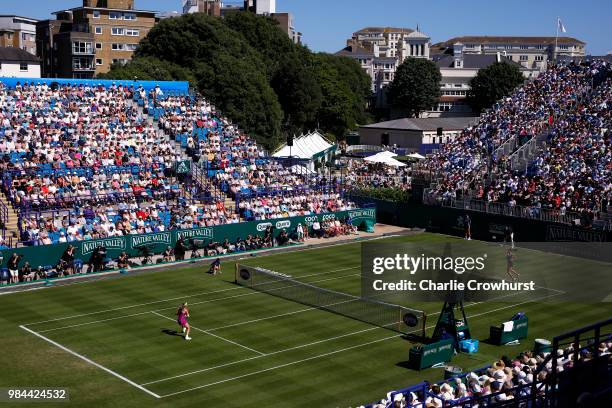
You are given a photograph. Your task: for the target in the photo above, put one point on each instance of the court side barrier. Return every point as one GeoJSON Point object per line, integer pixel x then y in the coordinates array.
{"type": "Point", "coordinates": [157, 242]}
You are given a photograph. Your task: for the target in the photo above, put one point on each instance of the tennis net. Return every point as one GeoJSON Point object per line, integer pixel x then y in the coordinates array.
{"type": "Point", "coordinates": [390, 316]}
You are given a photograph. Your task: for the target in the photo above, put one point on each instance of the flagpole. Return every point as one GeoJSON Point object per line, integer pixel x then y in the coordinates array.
{"type": "Point", "coordinates": [556, 39]}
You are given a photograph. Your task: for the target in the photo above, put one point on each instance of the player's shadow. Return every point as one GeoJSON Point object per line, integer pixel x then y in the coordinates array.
{"type": "Point", "coordinates": [170, 332]}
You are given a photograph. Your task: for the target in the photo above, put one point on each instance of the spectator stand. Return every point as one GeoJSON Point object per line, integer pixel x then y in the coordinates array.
{"type": "Point", "coordinates": [575, 367]}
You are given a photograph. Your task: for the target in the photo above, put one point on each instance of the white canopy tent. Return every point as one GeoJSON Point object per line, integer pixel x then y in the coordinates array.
{"type": "Point", "coordinates": [416, 156]}
{"type": "Point", "coordinates": [384, 158]}
{"type": "Point", "coordinates": [312, 147]}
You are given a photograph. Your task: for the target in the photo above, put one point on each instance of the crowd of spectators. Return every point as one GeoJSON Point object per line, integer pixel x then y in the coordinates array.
{"type": "Point", "coordinates": [573, 171]}
{"type": "Point", "coordinates": [506, 379]}
{"type": "Point", "coordinates": [361, 174]}
{"type": "Point", "coordinates": [293, 205]}
{"type": "Point", "coordinates": [131, 217]}
{"type": "Point", "coordinates": [82, 162]}
{"type": "Point", "coordinates": [76, 126]}
{"type": "Point", "coordinates": [234, 160]}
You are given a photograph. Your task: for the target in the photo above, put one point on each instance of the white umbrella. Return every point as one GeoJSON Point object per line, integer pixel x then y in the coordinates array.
{"type": "Point", "coordinates": [416, 156]}
{"type": "Point", "coordinates": [384, 159]}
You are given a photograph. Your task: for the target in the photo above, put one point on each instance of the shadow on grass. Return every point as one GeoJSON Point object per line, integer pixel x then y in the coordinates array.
{"type": "Point", "coordinates": [171, 332]}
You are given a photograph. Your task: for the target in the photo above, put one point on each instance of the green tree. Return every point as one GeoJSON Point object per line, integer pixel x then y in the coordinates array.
{"type": "Point", "coordinates": [298, 92]}
{"type": "Point", "coordinates": [149, 68]}
{"type": "Point", "coordinates": [345, 87]}
{"type": "Point", "coordinates": [257, 77]}
{"type": "Point", "coordinates": [416, 86]}
{"type": "Point", "coordinates": [493, 83]}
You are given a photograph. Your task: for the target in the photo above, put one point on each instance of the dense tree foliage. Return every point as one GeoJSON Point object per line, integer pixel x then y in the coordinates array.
{"type": "Point", "coordinates": [493, 83]}
{"type": "Point", "coordinates": [415, 87]}
{"type": "Point", "coordinates": [249, 68]}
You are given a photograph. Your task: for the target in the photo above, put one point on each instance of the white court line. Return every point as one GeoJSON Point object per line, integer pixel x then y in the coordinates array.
{"type": "Point", "coordinates": [320, 355]}
{"type": "Point", "coordinates": [279, 366]}
{"type": "Point", "coordinates": [267, 354]}
{"type": "Point", "coordinates": [251, 293]}
{"type": "Point", "coordinates": [82, 357]}
{"type": "Point", "coordinates": [214, 335]}
{"type": "Point", "coordinates": [164, 300]}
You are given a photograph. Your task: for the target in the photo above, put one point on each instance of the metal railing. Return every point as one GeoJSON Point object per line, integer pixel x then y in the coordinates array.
{"type": "Point", "coordinates": [28, 205]}
{"type": "Point", "coordinates": [4, 212]}
{"type": "Point", "coordinates": [519, 211]}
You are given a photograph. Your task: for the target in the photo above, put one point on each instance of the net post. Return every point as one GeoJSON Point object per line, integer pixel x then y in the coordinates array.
{"type": "Point", "coordinates": [236, 272]}
{"type": "Point", "coordinates": [424, 323]}
{"type": "Point", "coordinates": [399, 321]}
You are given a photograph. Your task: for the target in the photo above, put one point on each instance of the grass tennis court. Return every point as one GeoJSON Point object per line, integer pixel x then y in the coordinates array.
{"type": "Point", "coordinates": [112, 343]}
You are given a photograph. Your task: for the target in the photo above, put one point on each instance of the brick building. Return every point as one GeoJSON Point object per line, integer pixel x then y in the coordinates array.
{"type": "Point", "coordinates": [84, 41]}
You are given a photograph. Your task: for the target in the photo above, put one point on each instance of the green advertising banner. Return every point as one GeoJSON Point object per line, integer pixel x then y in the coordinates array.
{"type": "Point", "coordinates": [49, 255]}
{"type": "Point", "coordinates": [428, 355]}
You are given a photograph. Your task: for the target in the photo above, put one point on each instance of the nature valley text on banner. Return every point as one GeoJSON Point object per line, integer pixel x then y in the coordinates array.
{"type": "Point", "coordinates": [156, 238]}
{"type": "Point", "coordinates": [198, 233]}
{"type": "Point", "coordinates": [87, 247]}
{"type": "Point", "coordinates": [364, 213]}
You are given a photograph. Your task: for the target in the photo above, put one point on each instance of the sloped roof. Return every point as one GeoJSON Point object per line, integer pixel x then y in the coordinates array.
{"type": "Point", "coordinates": [496, 39]}
{"type": "Point", "coordinates": [355, 51]}
{"type": "Point", "coordinates": [17, 55]}
{"type": "Point", "coordinates": [384, 30]}
{"type": "Point", "coordinates": [305, 147]}
{"type": "Point", "coordinates": [424, 124]}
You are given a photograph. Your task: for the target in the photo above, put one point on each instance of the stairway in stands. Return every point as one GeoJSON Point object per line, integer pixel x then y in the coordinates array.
{"type": "Point", "coordinates": [229, 202]}
{"type": "Point", "coordinates": [11, 227]}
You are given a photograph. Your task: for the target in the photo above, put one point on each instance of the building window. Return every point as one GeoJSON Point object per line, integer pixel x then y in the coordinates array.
{"type": "Point", "coordinates": [471, 46]}
{"type": "Point", "coordinates": [132, 47]}
{"type": "Point", "coordinates": [81, 47]}
{"type": "Point", "coordinates": [114, 15]}
{"type": "Point", "coordinates": [120, 61]}
{"type": "Point", "coordinates": [117, 47]}
{"type": "Point", "coordinates": [96, 14]}
{"type": "Point", "coordinates": [98, 30]}
{"type": "Point", "coordinates": [82, 63]}
{"type": "Point", "coordinates": [564, 47]}
{"type": "Point", "coordinates": [132, 32]}
{"type": "Point", "coordinates": [539, 58]}
{"type": "Point", "coordinates": [129, 16]}
{"type": "Point", "coordinates": [98, 46]}
{"type": "Point", "coordinates": [524, 47]}
{"type": "Point", "coordinates": [23, 66]}
{"type": "Point", "coordinates": [524, 57]}
{"type": "Point", "coordinates": [118, 31]}
{"type": "Point", "coordinates": [98, 61]}
{"type": "Point", "coordinates": [541, 47]}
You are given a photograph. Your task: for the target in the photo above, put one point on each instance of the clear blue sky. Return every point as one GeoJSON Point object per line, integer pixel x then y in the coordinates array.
{"type": "Point", "coordinates": [326, 24]}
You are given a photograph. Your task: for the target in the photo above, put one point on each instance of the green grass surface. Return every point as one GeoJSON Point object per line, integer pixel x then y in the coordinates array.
{"type": "Point", "coordinates": [249, 349]}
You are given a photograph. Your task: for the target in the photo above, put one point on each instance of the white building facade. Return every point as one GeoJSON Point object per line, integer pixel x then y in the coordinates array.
{"type": "Point", "coordinates": [17, 63]}
{"type": "Point", "coordinates": [380, 50]}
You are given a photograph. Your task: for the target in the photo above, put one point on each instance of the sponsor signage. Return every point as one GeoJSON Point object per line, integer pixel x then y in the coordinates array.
{"type": "Point", "coordinates": [559, 233]}
{"type": "Point", "coordinates": [263, 226]}
{"type": "Point", "coordinates": [283, 224]}
{"type": "Point", "coordinates": [195, 233]}
{"type": "Point", "coordinates": [367, 212]}
{"type": "Point", "coordinates": [157, 238]}
{"type": "Point", "coordinates": [87, 247]}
